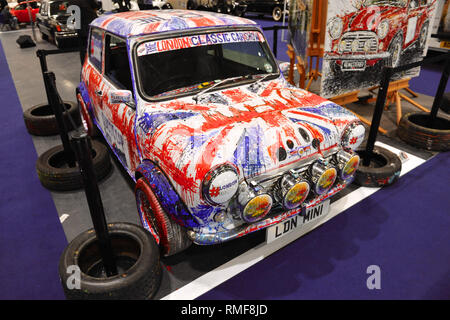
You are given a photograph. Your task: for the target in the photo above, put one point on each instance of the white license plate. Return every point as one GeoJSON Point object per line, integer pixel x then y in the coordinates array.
{"type": "Point", "coordinates": [297, 222]}
{"type": "Point", "coordinates": [353, 65]}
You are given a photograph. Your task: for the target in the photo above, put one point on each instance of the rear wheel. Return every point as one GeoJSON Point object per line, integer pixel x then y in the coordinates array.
{"type": "Point", "coordinates": [395, 50]}
{"type": "Point", "coordinates": [170, 236]}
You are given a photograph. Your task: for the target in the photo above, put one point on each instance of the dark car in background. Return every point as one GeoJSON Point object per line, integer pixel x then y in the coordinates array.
{"type": "Point", "coordinates": [222, 6]}
{"type": "Point", "coordinates": [52, 23]}
{"type": "Point", "coordinates": [275, 8]}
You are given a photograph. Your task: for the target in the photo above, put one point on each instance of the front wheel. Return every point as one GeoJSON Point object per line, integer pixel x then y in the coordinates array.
{"type": "Point", "coordinates": [170, 236]}
{"type": "Point", "coordinates": [395, 49]}
{"type": "Point", "coordinates": [423, 37]}
{"type": "Point", "coordinates": [277, 13]}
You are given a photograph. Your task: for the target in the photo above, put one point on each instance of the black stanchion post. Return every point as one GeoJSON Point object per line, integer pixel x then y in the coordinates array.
{"type": "Point", "coordinates": [82, 147]}
{"type": "Point", "coordinates": [440, 93]}
{"type": "Point", "coordinates": [58, 109]}
{"type": "Point", "coordinates": [379, 106]}
{"type": "Point", "coordinates": [43, 62]}
{"type": "Point", "coordinates": [275, 40]}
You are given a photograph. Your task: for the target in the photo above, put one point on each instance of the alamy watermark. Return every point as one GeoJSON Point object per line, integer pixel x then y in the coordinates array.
{"type": "Point", "coordinates": [74, 280]}
{"type": "Point", "coordinates": [74, 20]}
{"type": "Point", "coordinates": [374, 280]}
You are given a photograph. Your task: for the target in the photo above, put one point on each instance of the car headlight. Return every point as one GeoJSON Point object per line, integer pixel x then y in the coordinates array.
{"type": "Point", "coordinates": [323, 176]}
{"type": "Point", "coordinates": [353, 135]}
{"type": "Point", "coordinates": [220, 184]}
{"type": "Point", "coordinates": [383, 29]}
{"type": "Point", "coordinates": [293, 191]}
{"type": "Point", "coordinates": [255, 202]}
{"type": "Point", "coordinates": [335, 28]}
{"type": "Point", "coordinates": [348, 164]}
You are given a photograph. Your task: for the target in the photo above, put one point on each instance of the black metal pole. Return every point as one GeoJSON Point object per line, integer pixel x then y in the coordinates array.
{"type": "Point", "coordinates": [275, 40]}
{"type": "Point", "coordinates": [82, 147]}
{"type": "Point", "coordinates": [58, 109]}
{"type": "Point", "coordinates": [43, 61]}
{"type": "Point", "coordinates": [440, 93]}
{"type": "Point", "coordinates": [376, 118]}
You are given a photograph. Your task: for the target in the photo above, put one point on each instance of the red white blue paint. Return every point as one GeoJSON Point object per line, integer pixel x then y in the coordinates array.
{"type": "Point", "coordinates": [258, 131]}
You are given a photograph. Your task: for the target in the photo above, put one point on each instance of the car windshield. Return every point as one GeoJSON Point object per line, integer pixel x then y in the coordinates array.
{"type": "Point", "coordinates": [394, 3]}
{"type": "Point", "coordinates": [190, 64]}
{"type": "Point", "coordinates": [58, 7]}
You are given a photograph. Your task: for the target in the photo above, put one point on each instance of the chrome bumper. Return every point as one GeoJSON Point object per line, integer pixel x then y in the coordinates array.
{"type": "Point", "coordinates": [219, 237]}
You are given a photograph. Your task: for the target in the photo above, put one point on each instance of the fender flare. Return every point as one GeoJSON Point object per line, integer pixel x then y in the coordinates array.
{"type": "Point", "coordinates": [169, 199]}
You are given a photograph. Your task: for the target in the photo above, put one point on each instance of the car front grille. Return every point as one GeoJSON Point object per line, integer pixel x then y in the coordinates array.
{"type": "Point", "coordinates": [362, 38]}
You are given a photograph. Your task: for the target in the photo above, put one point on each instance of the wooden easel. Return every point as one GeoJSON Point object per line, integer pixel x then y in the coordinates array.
{"type": "Point", "coordinates": [316, 39]}
{"type": "Point", "coordinates": [300, 68]}
{"type": "Point", "coordinates": [315, 47]}
{"type": "Point", "coordinates": [351, 97]}
{"type": "Point", "coordinates": [395, 96]}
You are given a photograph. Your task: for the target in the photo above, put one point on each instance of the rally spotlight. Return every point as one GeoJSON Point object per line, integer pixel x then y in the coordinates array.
{"type": "Point", "coordinates": [323, 176]}
{"type": "Point", "coordinates": [347, 164]}
{"type": "Point", "coordinates": [293, 190]}
{"type": "Point", "coordinates": [255, 201]}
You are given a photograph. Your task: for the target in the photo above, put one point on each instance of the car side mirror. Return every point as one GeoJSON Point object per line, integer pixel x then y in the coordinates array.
{"type": "Point", "coordinates": [121, 96]}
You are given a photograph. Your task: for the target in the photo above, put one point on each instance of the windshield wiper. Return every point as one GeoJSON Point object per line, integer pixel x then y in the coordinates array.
{"type": "Point", "coordinates": [266, 76]}
{"type": "Point", "coordinates": [205, 90]}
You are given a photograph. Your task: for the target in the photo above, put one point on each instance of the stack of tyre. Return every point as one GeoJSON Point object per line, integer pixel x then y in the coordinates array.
{"type": "Point", "coordinates": [136, 254]}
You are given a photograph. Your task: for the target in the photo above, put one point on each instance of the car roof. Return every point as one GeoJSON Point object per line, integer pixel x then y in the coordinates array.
{"type": "Point", "coordinates": [136, 23]}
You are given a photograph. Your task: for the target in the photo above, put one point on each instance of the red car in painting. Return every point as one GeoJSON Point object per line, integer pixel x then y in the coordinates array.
{"type": "Point", "coordinates": [379, 30]}
{"type": "Point", "coordinates": [21, 11]}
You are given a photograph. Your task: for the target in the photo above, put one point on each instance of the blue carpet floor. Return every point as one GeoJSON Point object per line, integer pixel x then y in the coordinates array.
{"type": "Point", "coordinates": [31, 236]}
{"type": "Point", "coordinates": [403, 229]}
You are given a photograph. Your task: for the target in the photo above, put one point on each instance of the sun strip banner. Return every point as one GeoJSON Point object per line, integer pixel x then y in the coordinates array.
{"type": "Point", "coordinates": [152, 47]}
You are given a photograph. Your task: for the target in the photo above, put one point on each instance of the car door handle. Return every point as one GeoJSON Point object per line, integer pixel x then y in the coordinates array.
{"type": "Point", "coordinates": [99, 92]}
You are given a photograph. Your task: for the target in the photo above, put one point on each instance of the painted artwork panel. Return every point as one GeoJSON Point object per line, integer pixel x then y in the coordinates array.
{"type": "Point", "coordinates": [299, 25]}
{"type": "Point", "coordinates": [362, 36]}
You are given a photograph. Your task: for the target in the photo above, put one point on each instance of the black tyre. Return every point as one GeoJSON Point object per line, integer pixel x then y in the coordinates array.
{"type": "Point", "coordinates": [414, 129]}
{"type": "Point", "coordinates": [395, 50]}
{"type": "Point", "coordinates": [277, 14]}
{"type": "Point", "coordinates": [41, 121]}
{"type": "Point", "coordinates": [421, 42]}
{"type": "Point", "coordinates": [137, 259]}
{"type": "Point", "coordinates": [55, 174]}
{"type": "Point", "coordinates": [59, 42]}
{"type": "Point", "coordinates": [171, 237]}
{"type": "Point", "coordinates": [384, 168]}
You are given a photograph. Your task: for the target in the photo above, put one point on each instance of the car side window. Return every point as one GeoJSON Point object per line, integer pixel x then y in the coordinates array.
{"type": "Point", "coordinates": [117, 67]}
{"type": "Point", "coordinates": [96, 48]}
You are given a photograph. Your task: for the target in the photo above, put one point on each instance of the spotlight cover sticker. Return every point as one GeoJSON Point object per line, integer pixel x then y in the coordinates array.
{"type": "Point", "coordinates": [197, 40]}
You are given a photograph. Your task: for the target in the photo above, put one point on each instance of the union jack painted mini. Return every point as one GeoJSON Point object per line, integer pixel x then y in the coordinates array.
{"type": "Point", "coordinates": [195, 108]}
